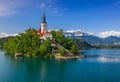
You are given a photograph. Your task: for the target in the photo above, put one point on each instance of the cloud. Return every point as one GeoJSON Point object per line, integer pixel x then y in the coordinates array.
{"type": "Point", "coordinates": [49, 5]}
{"type": "Point", "coordinates": [42, 5]}
{"type": "Point", "coordinates": [90, 33]}
{"type": "Point", "coordinates": [79, 32]}
{"type": "Point", "coordinates": [71, 31]}
{"type": "Point", "coordinates": [109, 33]}
{"type": "Point", "coordinates": [52, 5]}
{"type": "Point", "coordinates": [8, 7]}
{"type": "Point", "coordinates": [7, 35]}
{"type": "Point", "coordinates": [118, 2]}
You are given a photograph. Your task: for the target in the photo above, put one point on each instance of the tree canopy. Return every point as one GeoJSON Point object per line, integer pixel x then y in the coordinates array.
{"type": "Point", "coordinates": [67, 43]}
{"type": "Point", "coordinates": [28, 43]}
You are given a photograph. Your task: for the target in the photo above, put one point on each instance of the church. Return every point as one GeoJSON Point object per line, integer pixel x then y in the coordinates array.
{"type": "Point", "coordinates": [43, 31]}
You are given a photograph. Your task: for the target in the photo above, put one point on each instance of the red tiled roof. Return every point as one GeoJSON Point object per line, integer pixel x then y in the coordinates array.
{"type": "Point", "coordinates": [41, 34]}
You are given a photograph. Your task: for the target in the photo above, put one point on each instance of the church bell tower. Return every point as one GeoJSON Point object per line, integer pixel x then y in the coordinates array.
{"type": "Point", "coordinates": [43, 24]}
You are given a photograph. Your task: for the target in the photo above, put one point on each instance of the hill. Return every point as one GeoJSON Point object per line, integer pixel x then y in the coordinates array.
{"type": "Point", "coordinates": [82, 44]}
{"type": "Point", "coordinates": [4, 39]}
{"type": "Point", "coordinates": [93, 39]}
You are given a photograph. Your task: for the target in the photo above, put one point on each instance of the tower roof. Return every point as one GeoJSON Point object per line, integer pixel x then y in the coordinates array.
{"type": "Point", "coordinates": [44, 18]}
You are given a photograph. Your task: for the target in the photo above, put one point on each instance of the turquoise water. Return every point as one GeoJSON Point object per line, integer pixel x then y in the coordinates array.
{"type": "Point", "coordinates": [99, 66]}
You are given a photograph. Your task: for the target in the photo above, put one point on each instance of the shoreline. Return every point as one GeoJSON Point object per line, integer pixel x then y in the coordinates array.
{"type": "Point", "coordinates": [56, 56]}
{"type": "Point", "coordinates": [69, 57]}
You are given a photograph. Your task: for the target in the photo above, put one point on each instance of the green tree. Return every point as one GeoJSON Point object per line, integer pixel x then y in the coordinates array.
{"type": "Point", "coordinates": [65, 42]}
{"type": "Point", "coordinates": [62, 51]}
{"type": "Point", "coordinates": [10, 46]}
{"type": "Point", "coordinates": [58, 36]}
{"type": "Point", "coordinates": [74, 49]}
{"type": "Point", "coordinates": [45, 49]}
{"type": "Point", "coordinates": [23, 43]}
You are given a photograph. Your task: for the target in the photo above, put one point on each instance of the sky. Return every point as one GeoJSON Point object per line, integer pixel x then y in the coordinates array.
{"type": "Point", "coordinates": [100, 17]}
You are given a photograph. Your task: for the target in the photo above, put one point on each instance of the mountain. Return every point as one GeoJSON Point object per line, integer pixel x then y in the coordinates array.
{"type": "Point", "coordinates": [93, 39]}
{"type": "Point", "coordinates": [82, 44]}
{"type": "Point", "coordinates": [4, 39]}
{"type": "Point", "coordinates": [2, 35]}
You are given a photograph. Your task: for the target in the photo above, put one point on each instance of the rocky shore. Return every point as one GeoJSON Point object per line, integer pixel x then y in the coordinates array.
{"type": "Point", "coordinates": [69, 57]}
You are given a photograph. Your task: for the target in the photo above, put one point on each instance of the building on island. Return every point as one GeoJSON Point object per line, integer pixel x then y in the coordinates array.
{"type": "Point", "coordinates": [43, 31]}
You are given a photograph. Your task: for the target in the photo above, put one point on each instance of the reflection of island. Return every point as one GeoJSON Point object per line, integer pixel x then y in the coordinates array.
{"type": "Point", "coordinates": [43, 70]}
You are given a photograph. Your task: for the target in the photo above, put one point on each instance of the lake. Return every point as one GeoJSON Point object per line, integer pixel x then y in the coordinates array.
{"type": "Point", "coordinates": [99, 66]}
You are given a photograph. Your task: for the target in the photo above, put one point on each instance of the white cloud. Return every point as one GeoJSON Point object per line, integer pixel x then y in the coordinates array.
{"type": "Point", "coordinates": [42, 5]}
{"type": "Point", "coordinates": [49, 5]}
{"type": "Point", "coordinates": [52, 6]}
{"type": "Point", "coordinates": [7, 35]}
{"type": "Point", "coordinates": [90, 33]}
{"type": "Point", "coordinates": [102, 34]}
{"type": "Point", "coordinates": [109, 33]}
{"type": "Point", "coordinates": [8, 7]}
{"type": "Point", "coordinates": [71, 31]}
{"type": "Point", "coordinates": [79, 30]}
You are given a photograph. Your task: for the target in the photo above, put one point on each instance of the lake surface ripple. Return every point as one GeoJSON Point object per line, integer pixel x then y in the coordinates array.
{"type": "Point", "coordinates": [99, 66]}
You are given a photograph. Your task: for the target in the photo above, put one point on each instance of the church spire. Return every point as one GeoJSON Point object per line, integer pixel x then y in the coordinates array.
{"type": "Point", "coordinates": [43, 24]}
{"type": "Point", "coordinates": [44, 18]}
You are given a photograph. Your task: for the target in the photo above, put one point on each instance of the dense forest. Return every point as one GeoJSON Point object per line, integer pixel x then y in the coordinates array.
{"type": "Point", "coordinates": [30, 44]}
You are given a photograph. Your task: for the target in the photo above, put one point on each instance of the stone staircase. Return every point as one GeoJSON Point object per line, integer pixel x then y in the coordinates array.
{"type": "Point", "coordinates": [59, 46]}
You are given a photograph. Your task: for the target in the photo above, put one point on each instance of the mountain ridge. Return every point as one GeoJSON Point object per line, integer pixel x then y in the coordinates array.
{"type": "Point", "coordinates": [93, 39]}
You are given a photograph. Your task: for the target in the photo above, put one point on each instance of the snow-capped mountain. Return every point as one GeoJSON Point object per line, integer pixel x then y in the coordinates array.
{"type": "Point", "coordinates": [93, 39]}
{"type": "Point", "coordinates": [76, 33]}
{"type": "Point", "coordinates": [2, 35]}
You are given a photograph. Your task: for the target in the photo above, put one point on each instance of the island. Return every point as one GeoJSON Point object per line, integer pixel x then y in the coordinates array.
{"type": "Point", "coordinates": [42, 43]}
{"type": "Point", "coordinates": [30, 44]}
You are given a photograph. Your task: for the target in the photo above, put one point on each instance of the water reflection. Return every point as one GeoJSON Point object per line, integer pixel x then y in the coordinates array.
{"type": "Point", "coordinates": [91, 69]}
{"type": "Point", "coordinates": [103, 55]}
{"type": "Point", "coordinates": [39, 70]}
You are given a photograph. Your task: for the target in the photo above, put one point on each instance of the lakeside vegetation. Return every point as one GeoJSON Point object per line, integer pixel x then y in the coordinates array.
{"type": "Point", "coordinates": [107, 47]}
{"type": "Point", "coordinates": [30, 44]}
